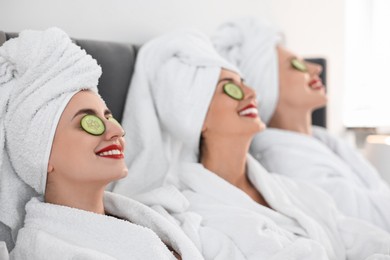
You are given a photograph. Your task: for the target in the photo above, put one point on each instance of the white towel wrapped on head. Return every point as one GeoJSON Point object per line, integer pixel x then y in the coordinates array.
{"type": "Point", "coordinates": [39, 73]}
{"type": "Point", "coordinates": [251, 46]}
{"type": "Point", "coordinates": [149, 112]}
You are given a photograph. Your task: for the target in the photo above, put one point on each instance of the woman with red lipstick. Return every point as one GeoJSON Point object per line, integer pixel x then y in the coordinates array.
{"type": "Point", "coordinates": [205, 117]}
{"type": "Point", "coordinates": [289, 90]}
{"type": "Point", "coordinates": [60, 148]}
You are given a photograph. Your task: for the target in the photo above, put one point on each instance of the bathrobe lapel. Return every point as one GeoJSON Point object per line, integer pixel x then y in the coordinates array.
{"type": "Point", "coordinates": [137, 235]}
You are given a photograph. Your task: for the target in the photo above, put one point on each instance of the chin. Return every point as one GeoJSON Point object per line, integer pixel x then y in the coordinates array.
{"type": "Point", "coordinates": [260, 126]}
{"type": "Point", "coordinates": [122, 174]}
{"type": "Point", "coordinates": [317, 102]}
{"type": "Point", "coordinates": [118, 173]}
{"type": "Point", "coordinates": [321, 103]}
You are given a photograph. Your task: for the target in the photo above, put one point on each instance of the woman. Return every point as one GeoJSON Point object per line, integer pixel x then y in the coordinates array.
{"type": "Point", "coordinates": [60, 148]}
{"type": "Point", "coordinates": [289, 90]}
{"type": "Point", "coordinates": [204, 118]}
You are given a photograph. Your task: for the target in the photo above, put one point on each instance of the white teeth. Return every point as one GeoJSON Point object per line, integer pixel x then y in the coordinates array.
{"type": "Point", "coordinates": [316, 85]}
{"type": "Point", "coordinates": [248, 111]}
{"type": "Point", "coordinates": [111, 152]}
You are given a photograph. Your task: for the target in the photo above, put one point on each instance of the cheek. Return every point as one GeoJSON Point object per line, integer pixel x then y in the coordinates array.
{"type": "Point", "coordinates": [223, 112]}
{"type": "Point", "coordinates": [70, 154]}
{"type": "Point", "coordinates": [293, 83]}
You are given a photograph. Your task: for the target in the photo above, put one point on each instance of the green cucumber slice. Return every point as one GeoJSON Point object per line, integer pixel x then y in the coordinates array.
{"type": "Point", "coordinates": [233, 91]}
{"type": "Point", "coordinates": [92, 125]}
{"type": "Point", "coordinates": [299, 65]}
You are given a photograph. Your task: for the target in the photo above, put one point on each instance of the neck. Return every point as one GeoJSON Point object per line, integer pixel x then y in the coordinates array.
{"type": "Point", "coordinates": [292, 120]}
{"type": "Point", "coordinates": [226, 157]}
{"type": "Point", "coordinates": [82, 196]}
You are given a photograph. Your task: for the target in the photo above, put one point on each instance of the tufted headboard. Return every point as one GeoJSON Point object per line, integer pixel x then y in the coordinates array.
{"type": "Point", "coordinates": [117, 61]}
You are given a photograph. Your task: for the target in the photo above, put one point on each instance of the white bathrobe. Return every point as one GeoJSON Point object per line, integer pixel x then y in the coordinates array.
{"type": "Point", "coordinates": [332, 165]}
{"type": "Point", "coordinates": [3, 251]}
{"type": "Point", "coordinates": [58, 232]}
{"type": "Point", "coordinates": [225, 223]}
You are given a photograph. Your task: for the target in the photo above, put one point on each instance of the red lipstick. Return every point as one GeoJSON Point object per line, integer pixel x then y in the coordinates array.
{"type": "Point", "coordinates": [113, 151]}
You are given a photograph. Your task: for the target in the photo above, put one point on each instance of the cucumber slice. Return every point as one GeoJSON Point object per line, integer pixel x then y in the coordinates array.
{"type": "Point", "coordinates": [299, 65]}
{"type": "Point", "coordinates": [92, 125]}
{"type": "Point", "coordinates": [233, 91]}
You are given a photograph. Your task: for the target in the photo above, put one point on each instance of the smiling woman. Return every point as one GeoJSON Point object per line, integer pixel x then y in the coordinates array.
{"type": "Point", "coordinates": [60, 147]}
{"type": "Point", "coordinates": [289, 89]}
{"type": "Point", "coordinates": [234, 208]}
{"type": "Point", "coordinates": [300, 92]}
{"type": "Point", "coordinates": [229, 116]}
{"type": "Point", "coordinates": [99, 157]}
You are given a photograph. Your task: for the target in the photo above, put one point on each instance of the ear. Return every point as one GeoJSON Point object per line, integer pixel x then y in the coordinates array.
{"type": "Point", "coordinates": [204, 127]}
{"type": "Point", "coordinates": [50, 167]}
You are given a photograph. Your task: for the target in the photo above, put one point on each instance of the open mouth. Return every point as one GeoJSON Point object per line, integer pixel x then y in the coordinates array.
{"type": "Point", "coordinates": [249, 111]}
{"type": "Point", "coordinates": [112, 151]}
{"type": "Point", "coordinates": [316, 84]}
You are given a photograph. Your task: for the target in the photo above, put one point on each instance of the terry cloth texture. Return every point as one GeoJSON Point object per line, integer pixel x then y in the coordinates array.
{"type": "Point", "coordinates": [251, 46]}
{"type": "Point", "coordinates": [40, 71]}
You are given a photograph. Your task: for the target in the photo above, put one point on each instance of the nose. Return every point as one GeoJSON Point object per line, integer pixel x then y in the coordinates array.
{"type": "Point", "coordinates": [248, 92]}
{"type": "Point", "coordinates": [113, 129]}
{"type": "Point", "coordinates": [313, 68]}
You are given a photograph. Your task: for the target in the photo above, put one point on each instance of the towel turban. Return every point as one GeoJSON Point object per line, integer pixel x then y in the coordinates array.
{"type": "Point", "coordinates": [172, 86]}
{"type": "Point", "coordinates": [251, 46]}
{"type": "Point", "coordinates": [39, 74]}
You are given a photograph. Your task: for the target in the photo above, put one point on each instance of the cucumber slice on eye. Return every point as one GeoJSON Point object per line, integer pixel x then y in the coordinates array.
{"type": "Point", "coordinates": [233, 91]}
{"type": "Point", "coordinates": [92, 125]}
{"type": "Point", "coordinates": [299, 65]}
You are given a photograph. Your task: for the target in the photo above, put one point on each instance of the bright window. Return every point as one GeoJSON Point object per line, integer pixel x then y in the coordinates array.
{"type": "Point", "coordinates": [367, 102]}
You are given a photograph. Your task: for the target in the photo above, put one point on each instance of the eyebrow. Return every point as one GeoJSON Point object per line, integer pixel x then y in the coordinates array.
{"type": "Point", "coordinates": [230, 79]}
{"type": "Point", "coordinates": [90, 111]}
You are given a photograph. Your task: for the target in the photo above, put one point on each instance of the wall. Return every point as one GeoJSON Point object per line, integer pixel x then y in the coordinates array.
{"type": "Point", "coordinates": [312, 27]}
{"type": "Point", "coordinates": [316, 28]}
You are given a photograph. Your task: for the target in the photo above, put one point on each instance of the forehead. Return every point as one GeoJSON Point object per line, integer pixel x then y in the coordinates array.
{"type": "Point", "coordinates": [228, 74]}
{"type": "Point", "coordinates": [284, 53]}
{"type": "Point", "coordinates": [85, 99]}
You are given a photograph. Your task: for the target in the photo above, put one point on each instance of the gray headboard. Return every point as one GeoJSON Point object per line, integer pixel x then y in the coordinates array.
{"type": "Point", "coordinates": [319, 116]}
